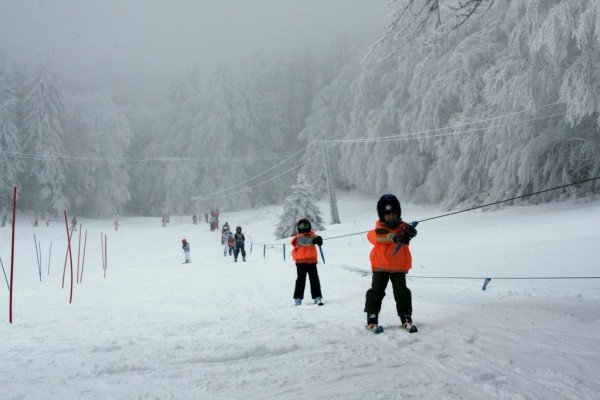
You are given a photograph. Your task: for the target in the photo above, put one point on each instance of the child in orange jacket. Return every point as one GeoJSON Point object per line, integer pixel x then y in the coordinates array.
{"type": "Point", "coordinates": [389, 232]}
{"type": "Point", "coordinates": [304, 253]}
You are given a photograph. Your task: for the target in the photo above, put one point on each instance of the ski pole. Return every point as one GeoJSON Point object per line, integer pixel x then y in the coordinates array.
{"type": "Point", "coordinates": [399, 245]}
{"type": "Point", "coordinates": [322, 256]}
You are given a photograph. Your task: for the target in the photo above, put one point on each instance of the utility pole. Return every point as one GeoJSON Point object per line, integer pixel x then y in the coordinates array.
{"type": "Point", "coordinates": [335, 218]}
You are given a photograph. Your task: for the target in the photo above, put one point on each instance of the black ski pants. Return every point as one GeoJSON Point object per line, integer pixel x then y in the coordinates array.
{"type": "Point", "coordinates": [376, 294]}
{"type": "Point", "coordinates": [313, 275]}
{"type": "Point", "coordinates": [239, 247]}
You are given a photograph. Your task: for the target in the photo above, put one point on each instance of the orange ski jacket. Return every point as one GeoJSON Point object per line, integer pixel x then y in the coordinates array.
{"type": "Point", "coordinates": [303, 249]}
{"type": "Point", "coordinates": [382, 257]}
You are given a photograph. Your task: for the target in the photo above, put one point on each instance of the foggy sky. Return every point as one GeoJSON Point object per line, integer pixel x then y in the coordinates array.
{"type": "Point", "coordinates": [135, 48]}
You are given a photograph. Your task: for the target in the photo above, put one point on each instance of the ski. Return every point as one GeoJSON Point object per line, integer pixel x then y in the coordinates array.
{"type": "Point", "coordinates": [376, 331]}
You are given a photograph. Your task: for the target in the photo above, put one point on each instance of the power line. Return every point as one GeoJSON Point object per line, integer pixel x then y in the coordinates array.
{"type": "Point", "coordinates": [215, 194]}
{"type": "Point", "coordinates": [408, 136]}
{"type": "Point", "coordinates": [114, 160]}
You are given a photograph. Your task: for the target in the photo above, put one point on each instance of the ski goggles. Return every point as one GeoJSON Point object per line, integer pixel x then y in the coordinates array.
{"type": "Point", "coordinates": [303, 226]}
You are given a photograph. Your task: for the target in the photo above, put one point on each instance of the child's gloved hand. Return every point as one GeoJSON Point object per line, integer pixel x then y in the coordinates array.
{"type": "Point", "coordinates": [409, 231]}
{"type": "Point", "coordinates": [318, 240]}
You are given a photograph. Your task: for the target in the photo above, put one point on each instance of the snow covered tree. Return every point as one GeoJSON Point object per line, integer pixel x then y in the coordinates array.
{"type": "Point", "coordinates": [43, 135]}
{"type": "Point", "coordinates": [10, 143]}
{"type": "Point", "coordinates": [98, 135]}
{"type": "Point", "coordinates": [300, 204]}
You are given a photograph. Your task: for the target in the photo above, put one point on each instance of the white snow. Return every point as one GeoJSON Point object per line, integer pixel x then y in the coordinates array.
{"type": "Point", "coordinates": [215, 329]}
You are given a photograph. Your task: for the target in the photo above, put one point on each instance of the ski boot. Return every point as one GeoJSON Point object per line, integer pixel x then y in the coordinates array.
{"type": "Point", "coordinates": [407, 324]}
{"type": "Point", "coordinates": [318, 301]}
{"type": "Point", "coordinates": [297, 302]}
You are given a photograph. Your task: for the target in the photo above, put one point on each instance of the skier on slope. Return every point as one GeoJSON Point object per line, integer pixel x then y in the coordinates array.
{"type": "Point", "coordinates": [224, 240]}
{"type": "Point", "coordinates": [230, 242]}
{"type": "Point", "coordinates": [389, 231]}
{"type": "Point", "coordinates": [240, 239]}
{"type": "Point", "coordinates": [304, 253]}
{"type": "Point", "coordinates": [185, 245]}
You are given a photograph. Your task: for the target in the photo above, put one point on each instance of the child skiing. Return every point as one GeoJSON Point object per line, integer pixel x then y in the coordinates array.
{"type": "Point", "coordinates": [239, 239]}
{"type": "Point", "coordinates": [390, 264]}
{"type": "Point", "coordinates": [230, 242]}
{"type": "Point", "coordinates": [186, 250]}
{"type": "Point", "coordinates": [304, 253]}
{"type": "Point", "coordinates": [225, 241]}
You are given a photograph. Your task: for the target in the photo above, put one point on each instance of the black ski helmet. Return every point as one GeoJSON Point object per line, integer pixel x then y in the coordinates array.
{"type": "Point", "coordinates": [303, 226]}
{"type": "Point", "coordinates": [388, 203]}
{"type": "Point", "coordinates": [238, 228]}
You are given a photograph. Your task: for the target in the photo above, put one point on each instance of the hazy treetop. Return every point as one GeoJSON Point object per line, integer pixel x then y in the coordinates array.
{"type": "Point", "coordinates": [135, 48]}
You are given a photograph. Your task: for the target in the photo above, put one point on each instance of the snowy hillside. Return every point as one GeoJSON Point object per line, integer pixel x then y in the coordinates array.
{"type": "Point", "coordinates": [215, 329]}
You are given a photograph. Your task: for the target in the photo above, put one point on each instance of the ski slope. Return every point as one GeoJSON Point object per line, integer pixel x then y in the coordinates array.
{"type": "Point", "coordinates": [214, 329]}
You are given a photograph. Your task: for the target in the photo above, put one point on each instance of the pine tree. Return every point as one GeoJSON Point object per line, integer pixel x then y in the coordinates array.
{"type": "Point", "coordinates": [300, 204]}
{"type": "Point", "coordinates": [43, 136]}
{"type": "Point", "coordinates": [10, 143]}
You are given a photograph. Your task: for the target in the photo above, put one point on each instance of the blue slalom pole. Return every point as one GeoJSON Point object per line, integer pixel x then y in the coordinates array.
{"type": "Point", "coordinates": [284, 252]}
{"type": "Point", "coordinates": [37, 255]}
{"type": "Point", "coordinates": [5, 278]}
{"type": "Point", "coordinates": [265, 251]}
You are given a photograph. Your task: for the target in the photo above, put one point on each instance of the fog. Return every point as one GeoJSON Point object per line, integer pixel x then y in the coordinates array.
{"type": "Point", "coordinates": [134, 49]}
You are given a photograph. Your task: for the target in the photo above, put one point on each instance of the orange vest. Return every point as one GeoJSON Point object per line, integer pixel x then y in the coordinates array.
{"type": "Point", "coordinates": [382, 258]}
{"type": "Point", "coordinates": [303, 251]}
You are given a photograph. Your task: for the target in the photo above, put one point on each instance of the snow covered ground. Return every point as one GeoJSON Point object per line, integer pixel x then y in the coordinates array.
{"type": "Point", "coordinates": [215, 329]}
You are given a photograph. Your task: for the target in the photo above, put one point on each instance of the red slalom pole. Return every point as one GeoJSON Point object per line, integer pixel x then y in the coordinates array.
{"type": "Point", "coordinates": [83, 258]}
{"type": "Point", "coordinates": [69, 235]}
{"type": "Point", "coordinates": [12, 256]}
{"type": "Point", "coordinates": [70, 256]}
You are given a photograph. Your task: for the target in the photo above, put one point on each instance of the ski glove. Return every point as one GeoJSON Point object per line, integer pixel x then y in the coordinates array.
{"type": "Point", "coordinates": [318, 240]}
{"type": "Point", "coordinates": [409, 231]}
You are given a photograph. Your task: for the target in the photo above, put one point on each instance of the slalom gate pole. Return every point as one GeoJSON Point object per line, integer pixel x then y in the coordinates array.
{"type": "Point", "coordinates": [265, 251]}
{"type": "Point", "coordinates": [5, 278]}
{"type": "Point", "coordinates": [70, 255]}
{"type": "Point", "coordinates": [49, 256]}
{"type": "Point", "coordinates": [284, 252]}
{"type": "Point", "coordinates": [12, 256]}
{"type": "Point", "coordinates": [40, 261]}
{"type": "Point", "coordinates": [78, 251]}
{"type": "Point", "coordinates": [105, 255]}
{"type": "Point", "coordinates": [37, 256]}
{"type": "Point", "coordinates": [83, 260]}
{"type": "Point", "coordinates": [102, 248]}
{"type": "Point", "coordinates": [69, 234]}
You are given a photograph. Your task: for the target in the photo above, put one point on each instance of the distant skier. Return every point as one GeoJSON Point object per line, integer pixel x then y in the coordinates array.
{"type": "Point", "coordinates": [163, 222]}
{"type": "Point", "coordinates": [194, 219]}
{"type": "Point", "coordinates": [304, 253]}
{"type": "Point", "coordinates": [206, 217]}
{"type": "Point", "coordinates": [389, 231]}
{"type": "Point", "coordinates": [35, 221]}
{"type": "Point", "coordinates": [117, 224]}
{"type": "Point", "coordinates": [48, 221]}
{"type": "Point", "coordinates": [4, 219]}
{"type": "Point", "coordinates": [226, 239]}
{"type": "Point", "coordinates": [186, 250]}
{"type": "Point", "coordinates": [239, 239]}
{"type": "Point", "coordinates": [73, 224]}
{"type": "Point", "coordinates": [230, 242]}
{"type": "Point", "coordinates": [225, 228]}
